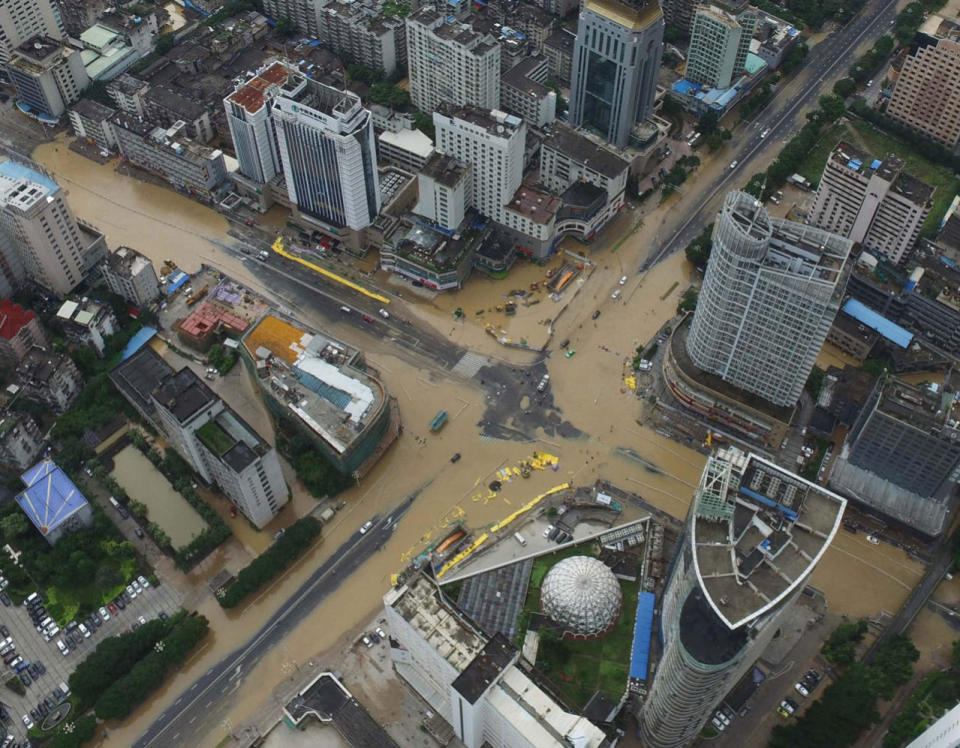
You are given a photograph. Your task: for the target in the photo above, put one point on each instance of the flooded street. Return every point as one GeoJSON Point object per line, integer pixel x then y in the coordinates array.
{"type": "Point", "coordinates": [587, 388]}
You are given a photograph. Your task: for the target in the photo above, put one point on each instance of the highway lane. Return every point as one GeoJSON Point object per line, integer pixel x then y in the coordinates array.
{"type": "Point", "coordinates": [825, 59]}
{"type": "Point", "coordinates": [193, 715]}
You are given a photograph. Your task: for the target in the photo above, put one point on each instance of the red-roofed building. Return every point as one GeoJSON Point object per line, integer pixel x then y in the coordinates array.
{"type": "Point", "coordinates": [207, 322]}
{"type": "Point", "coordinates": [20, 330]}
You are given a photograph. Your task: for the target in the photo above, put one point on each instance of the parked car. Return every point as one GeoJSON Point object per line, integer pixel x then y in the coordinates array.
{"type": "Point", "coordinates": [104, 614]}
{"type": "Point", "coordinates": [25, 678]}
{"type": "Point", "coordinates": [85, 631]}
{"type": "Point", "coordinates": [64, 650]}
{"type": "Point", "coordinates": [131, 592]}
{"type": "Point", "coordinates": [5, 599]}
{"type": "Point", "coordinates": [788, 706]}
{"type": "Point", "coordinates": [623, 280]}
{"type": "Point", "coordinates": [118, 601]}
{"type": "Point", "coordinates": [801, 689]}
{"type": "Point", "coordinates": [873, 539]}
{"type": "Point", "coordinates": [4, 631]}
{"type": "Point", "coordinates": [546, 533]}
{"type": "Point", "coordinates": [374, 637]}
{"type": "Point", "coordinates": [366, 640]}
{"type": "Point", "coordinates": [616, 294]}
{"type": "Point", "coordinates": [381, 633]}
{"type": "Point", "coordinates": [113, 609]}
{"type": "Point", "coordinates": [595, 314]}
{"type": "Point", "coordinates": [27, 722]}
{"type": "Point", "coordinates": [142, 620]}
{"type": "Point", "coordinates": [144, 582]}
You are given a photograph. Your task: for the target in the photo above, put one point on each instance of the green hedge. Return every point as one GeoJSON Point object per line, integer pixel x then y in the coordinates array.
{"type": "Point", "coordinates": [148, 674]}
{"type": "Point", "coordinates": [288, 548]}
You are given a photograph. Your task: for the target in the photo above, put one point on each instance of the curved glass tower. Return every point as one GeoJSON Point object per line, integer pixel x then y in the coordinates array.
{"type": "Point", "coordinates": [771, 291]}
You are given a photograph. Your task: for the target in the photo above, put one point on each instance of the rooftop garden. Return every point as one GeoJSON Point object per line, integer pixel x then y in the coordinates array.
{"type": "Point", "coordinates": [215, 438]}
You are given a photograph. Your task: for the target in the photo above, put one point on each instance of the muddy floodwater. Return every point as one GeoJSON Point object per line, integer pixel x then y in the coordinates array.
{"type": "Point", "coordinates": [144, 483]}
{"type": "Point", "coordinates": [588, 393]}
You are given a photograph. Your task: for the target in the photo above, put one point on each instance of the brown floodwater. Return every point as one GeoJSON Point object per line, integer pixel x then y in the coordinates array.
{"type": "Point", "coordinates": [858, 578]}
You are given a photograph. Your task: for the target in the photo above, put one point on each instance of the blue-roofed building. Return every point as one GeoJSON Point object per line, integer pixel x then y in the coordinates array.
{"type": "Point", "coordinates": [52, 502]}
{"type": "Point", "coordinates": [143, 336]}
{"type": "Point", "coordinates": [889, 330]}
{"type": "Point", "coordinates": [642, 629]}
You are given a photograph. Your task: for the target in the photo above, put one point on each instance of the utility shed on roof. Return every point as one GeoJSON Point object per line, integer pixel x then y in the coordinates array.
{"type": "Point", "coordinates": [52, 502]}
{"type": "Point", "coordinates": [891, 331]}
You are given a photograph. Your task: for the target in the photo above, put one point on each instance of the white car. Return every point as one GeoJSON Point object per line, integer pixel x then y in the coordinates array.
{"type": "Point", "coordinates": [27, 721]}
{"type": "Point", "coordinates": [143, 621]}
{"type": "Point", "coordinates": [84, 630]}
{"type": "Point", "coordinates": [623, 280]}
{"type": "Point", "coordinates": [136, 586]}
{"type": "Point", "coordinates": [548, 530]}
{"type": "Point", "coordinates": [104, 613]}
{"type": "Point", "coordinates": [367, 526]}
{"type": "Point", "coordinates": [718, 724]}
{"type": "Point", "coordinates": [381, 633]}
{"type": "Point", "coordinates": [644, 365]}
{"type": "Point", "coordinates": [144, 582]}
{"type": "Point", "coordinates": [765, 133]}
{"type": "Point", "coordinates": [383, 313]}
{"type": "Point", "coordinates": [733, 164]}
{"type": "Point", "coordinates": [873, 539]}
{"type": "Point", "coordinates": [64, 649]}
{"type": "Point", "coordinates": [132, 592]}
{"type": "Point", "coordinates": [801, 689]}
{"type": "Point", "coordinates": [615, 294]}
{"type": "Point", "coordinates": [366, 640]}
{"type": "Point", "coordinates": [723, 718]}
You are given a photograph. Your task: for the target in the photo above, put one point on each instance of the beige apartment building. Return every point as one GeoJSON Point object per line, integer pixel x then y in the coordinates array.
{"type": "Point", "coordinates": [927, 95]}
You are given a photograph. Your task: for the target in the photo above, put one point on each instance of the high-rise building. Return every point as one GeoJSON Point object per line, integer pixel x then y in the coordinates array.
{"type": "Point", "coordinates": [21, 20]}
{"type": "Point", "coordinates": [769, 296]}
{"type": "Point", "coordinates": [445, 187]}
{"type": "Point", "coordinates": [359, 32]}
{"type": "Point", "coordinates": [755, 532]}
{"type": "Point", "coordinates": [326, 144]}
{"type": "Point", "coordinates": [302, 13]}
{"type": "Point", "coordinates": [616, 61]}
{"type": "Point", "coordinates": [48, 74]}
{"type": "Point", "coordinates": [35, 215]}
{"type": "Point", "coordinates": [450, 62]}
{"type": "Point", "coordinates": [492, 142]}
{"type": "Point", "coordinates": [719, 44]}
{"type": "Point", "coordinates": [871, 201]}
{"type": "Point", "coordinates": [926, 96]}
{"type": "Point", "coordinates": [902, 456]}
{"type": "Point", "coordinates": [251, 125]}
{"type": "Point", "coordinates": [206, 432]}
{"type": "Point", "coordinates": [679, 13]}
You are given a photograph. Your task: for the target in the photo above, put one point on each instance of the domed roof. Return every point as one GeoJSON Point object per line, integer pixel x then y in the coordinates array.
{"type": "Point", "coordinates": [582, 594]}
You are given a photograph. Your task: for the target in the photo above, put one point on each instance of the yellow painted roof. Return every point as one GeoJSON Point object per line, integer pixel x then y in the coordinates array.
{"type": "Point", "coordinates": [627, 15]}
{"type": "Point", "coordinates": [281, 338]}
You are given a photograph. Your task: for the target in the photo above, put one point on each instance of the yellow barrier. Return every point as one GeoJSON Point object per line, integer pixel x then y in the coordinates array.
{"type": "Point", "coordinates": [462, 555]}
{"type": "Point", "coordinates": [278, 248]}
{"type": "Point", "coordinates": [528, 506]}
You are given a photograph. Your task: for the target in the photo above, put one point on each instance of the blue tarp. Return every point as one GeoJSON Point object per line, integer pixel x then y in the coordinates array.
{"type": "Point", "coordinates": [750, 493]}
{"type": "Point", "coordinates": [875, 164]}
{"type": "Point", "coordinates": [684, 86]}
{"type": "Point", "coordinates": [891, 331]}
{"type": "Point", "coordinates": [176, 280]}
{"type": "Point", "coordinates": [137, 342]}
{"type": "Point", "coordinates": [15, 170]}
{"type": "Point", "coordinates": [641, 636]}
{"type": "Point", "coordinates": [50, 498]}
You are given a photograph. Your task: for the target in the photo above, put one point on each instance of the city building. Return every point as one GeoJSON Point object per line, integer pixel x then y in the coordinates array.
{"type": "Point", "coordinates": [755, 533]}
{"type": "Point", "coordinates": [252, 128]}
{"type": "Point", "coordinates": [49, 378]}
{"type": "Point", "coordinates": [78, 15]}
{"type": "Point", "coordinates": [857, 329]}
{"type": "Point", "coordinates": [445, 188]}
{"type": "Point", "coordinates": [91, 120]}
{"type": "Point", "coordinates": [558, 49]}
{"type": "Point", "coordinates": [324, 388]}
{"type": "Point", "coordinates": [616, 62]}
{"type": "Point", "coordinates": [131, 275]}
{"type": "Point", "coordinates": [523, 92]}
{"type": "Point", "coordinates": [361, 33]}
{"type": "Point", "coordinates": [55, 249]}
{"type": "Point", "coordinates": [943, 733]}
{"type": "Point", "coordinates": [679, 13]}
{"type": "Point", "coordinates": [473, 682]}
{"type": "Point", "coordinates": [302, 13]}
{"type": "Point", "coordinates": [492, 142]}
{"type": "Point", "coordinates": [20, 21]}
{"type": "Point", "coordinates": [582, 596]}
{"type": "Point", "coordinates": [772, 38]}
{"type": "Point", "coordinates": [48, 74]}
{"type": "Point", "coordinates": [88, 322]}
{"type": "Point", "coordinates": [434, 257]}
{"type": "Point", "coordinates": [12, 271]}
{"type": "Point", "coordinates": [408, 149]}
{"type": "Point", "coordinates": [129, 94]}
{"type": "Point", "coordinates": [770, 293]}
{"type": "Point", "coordinates": [450, 62]}
{"type": "Point", "coordinates": [190, 167]}
{"type": "Point", "coordinates": [20, 331]}
{"type": "Point", "coordinates": [559, 8]}
{"type": "Point", "coordinates": [326, 145]}
{"type": "Point", "coordinates": [206, 432]}
{"type": "Point", "coordinates": [390, 120]}
{"type": "Point", "coordinates": [167, 108]}
{"type": "Point", "coordinates": [52, 502]}
{"type": "Point", "coordinates": [902, 456]}
{"type": "Point", "coordinates": [926, 96]}
{"type": "Point", "coordinates": [871, 201]}
{"type": "Point", "coordinates": [719, 43]}
{"type": "Point", "coordinates": [107, 52]}
{"type": "Point", "coordinates": [20, 440]}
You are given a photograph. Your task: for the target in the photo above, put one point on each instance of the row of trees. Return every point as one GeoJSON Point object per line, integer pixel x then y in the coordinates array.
{"type": "Point", "coordinates": [867, 65]}
{"type": "Point", "coordinates": [148, 674]}
{"type": "Point", "coordinates": [848, 706]}
{"type": "Point", "coordinates": [288, 548]}
{"type": "Point", "coordinates": [316, 472]}
{"type": "Point", "coordinates": [698, 251]}
{"type": "Point", "coordinates": [221, 358]}
{"type": "Point", "coordinates": [815, 12]}
{"type": "Point", "coordinates": [679, 173]}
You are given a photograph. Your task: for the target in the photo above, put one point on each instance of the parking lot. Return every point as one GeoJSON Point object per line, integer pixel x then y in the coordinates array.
{"type": "Point", "coordinates": [31, 646]}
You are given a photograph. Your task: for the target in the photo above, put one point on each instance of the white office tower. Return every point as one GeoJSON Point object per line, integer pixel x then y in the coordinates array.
{"type": "Point", "coordinates": [771, 291]}
{"type": "Point", "coordinates": [35, 215]}
{"type": "Point", "coordinates": [719, 44]}
{"type": "Point", "coordinates": [448, 61]}
{"type": "Point", "coordinates": [754, 535]}
{"type": "Point", "coordinates": [492, 142]}
{"type": "Point", "coordinates": [326, 143]}
{"type": "Point", "coordinates": [23, 19]}
{"type": "Point", "coordinates": [251, 126]}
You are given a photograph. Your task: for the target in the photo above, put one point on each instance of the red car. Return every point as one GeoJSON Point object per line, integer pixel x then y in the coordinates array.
{"type": "Point", "coordinates": [367, 318]}
{"type": "Point", "coordinates": [113, 609]}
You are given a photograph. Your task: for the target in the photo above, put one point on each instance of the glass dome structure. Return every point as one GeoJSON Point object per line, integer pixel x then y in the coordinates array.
{"type": "Point", "coordinates": [582, 595]}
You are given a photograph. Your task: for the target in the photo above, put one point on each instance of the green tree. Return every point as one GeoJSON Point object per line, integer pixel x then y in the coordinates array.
{"type": "Point", "coordinates": [285, 28]}
{"type": "Point", "coordinates": [845, 87]}
{"type": "Point", "coordinates": [840, 647]}
{"type": "Point", "coordinates": [689, 301]}
{"type": "Point", "coordinates": [165, 43]}
{"type": "Point", "coordinates": [107, 577]}
{"type": "Point", "coordinates": [794, 58]}
{"type": "Point", "coordinates": [13, 526]}
{"type": "Point", "coordinates": [708, 123]}
{"type": "Point", "coordinates": [755, 185]}
{"type": "Point", "coordinates": [832, 107]}
{"type": "Point", "coordinates": [424, 123]}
